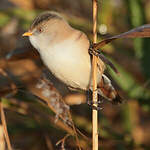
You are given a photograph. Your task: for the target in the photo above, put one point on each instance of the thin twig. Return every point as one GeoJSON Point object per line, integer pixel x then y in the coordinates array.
{"type": "Point", "coordinates": [3, 119]}
{"type": "Point", "coordinates": [75, 131]}
{"type": "Point", "coordinates": [62, 141]}
{"type": "Point", "coordinates": [94, 77]}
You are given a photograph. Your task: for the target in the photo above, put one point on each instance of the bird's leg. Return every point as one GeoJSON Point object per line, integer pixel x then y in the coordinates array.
{"type": "Point", "coordinates": [98, 107]}
{"type": "Point", "coordinates": [98, 53]}
{"type": "Point", "coordinates": [91, 103]}
{"type": "Point", "coordinates": [92, 51]}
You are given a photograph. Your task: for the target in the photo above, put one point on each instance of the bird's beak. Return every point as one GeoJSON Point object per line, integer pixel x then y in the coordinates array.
{"type": "Point", "coordinates": [28, 33]}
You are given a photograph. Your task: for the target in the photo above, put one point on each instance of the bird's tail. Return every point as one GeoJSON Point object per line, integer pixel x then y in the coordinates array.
{"type": "Point", "coordinates": [106, 90]}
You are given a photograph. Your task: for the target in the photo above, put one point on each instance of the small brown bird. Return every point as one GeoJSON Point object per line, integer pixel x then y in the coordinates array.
{"type": "Point", "coordinates": [64, 50]}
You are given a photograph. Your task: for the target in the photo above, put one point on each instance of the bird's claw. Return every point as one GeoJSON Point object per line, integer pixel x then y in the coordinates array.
{"type": "Point", "coordinates": [98, 53]}
{"type": "Point", "coordinates": [95, 105]}
{"type": "Point", "coordinates": [94, 52]}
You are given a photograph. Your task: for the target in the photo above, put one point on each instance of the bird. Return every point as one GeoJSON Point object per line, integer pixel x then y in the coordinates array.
{"type": "Point", "coordinates": [65, 52]}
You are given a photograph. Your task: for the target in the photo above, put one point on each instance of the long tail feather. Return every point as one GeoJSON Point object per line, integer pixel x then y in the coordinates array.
{"type": "Point", "coordinates": [106, 89]}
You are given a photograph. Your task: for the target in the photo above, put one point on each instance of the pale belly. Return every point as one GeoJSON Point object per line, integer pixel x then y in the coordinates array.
{"type": "Point", "coordinates": [71, 67]}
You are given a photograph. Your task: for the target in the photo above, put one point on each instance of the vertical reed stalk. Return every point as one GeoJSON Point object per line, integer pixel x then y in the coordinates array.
{"type": "Point", "coordinates": [94, 77]}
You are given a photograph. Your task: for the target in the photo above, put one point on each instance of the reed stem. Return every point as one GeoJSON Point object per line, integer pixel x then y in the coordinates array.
{"type": "Point", "coordinates": [94, 77]}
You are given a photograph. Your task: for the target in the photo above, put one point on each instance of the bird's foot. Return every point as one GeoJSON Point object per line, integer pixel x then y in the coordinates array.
{"type": "Point", "coordinates": [95, 104]}
{"type": "Point", "coordinates": [97, 52]}
{"type": "Point", "coordinates": [94, 52]}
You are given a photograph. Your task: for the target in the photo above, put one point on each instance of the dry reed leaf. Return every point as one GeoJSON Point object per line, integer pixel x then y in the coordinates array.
{"type": "Point", "coordinates": [54, 106]}
{"type": "Point", "coordinates": [57, 105]}
{"type": "Point", "coordinates": [139, 32]}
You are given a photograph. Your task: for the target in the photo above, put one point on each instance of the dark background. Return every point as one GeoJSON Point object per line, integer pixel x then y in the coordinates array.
{"type": "Point", "coordinates": [32, 125]}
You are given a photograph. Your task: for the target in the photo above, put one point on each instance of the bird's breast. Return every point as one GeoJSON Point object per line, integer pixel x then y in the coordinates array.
{"type": "Point", "coordinates": [70, 63]}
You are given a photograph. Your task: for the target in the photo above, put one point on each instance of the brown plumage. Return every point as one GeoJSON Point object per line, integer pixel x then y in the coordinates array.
{"type": "Point", "coordinates": [107, 90]}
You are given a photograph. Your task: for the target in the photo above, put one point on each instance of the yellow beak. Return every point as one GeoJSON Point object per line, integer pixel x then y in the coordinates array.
{"type": "Point", "coordinates": [29, 33]}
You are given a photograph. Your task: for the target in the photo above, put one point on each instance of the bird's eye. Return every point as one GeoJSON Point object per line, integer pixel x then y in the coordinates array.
{"type": "Point", "coordinates": [40, 30]}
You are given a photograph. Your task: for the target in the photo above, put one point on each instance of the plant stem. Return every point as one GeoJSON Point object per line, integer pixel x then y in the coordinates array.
{"type": "Point", "coordinates": [94, 77]}
{"type": "Point", "coordinates": [4, 124]}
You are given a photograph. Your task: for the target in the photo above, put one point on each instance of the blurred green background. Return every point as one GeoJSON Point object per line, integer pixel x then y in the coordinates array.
{"type": "Point", "coordinates": [32, 125]}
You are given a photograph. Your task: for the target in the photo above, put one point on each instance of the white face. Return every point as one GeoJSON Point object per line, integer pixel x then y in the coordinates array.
{"type": "Point", "coordinates": [34, 42]}
{"type": "Point", "coordinates": [39, 40]}
{"type": "Point", "coordinates": [47, 33]}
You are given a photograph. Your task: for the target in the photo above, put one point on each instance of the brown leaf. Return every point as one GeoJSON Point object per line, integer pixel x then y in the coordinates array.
{"type": "Point", "coordinates": [139, 32]}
